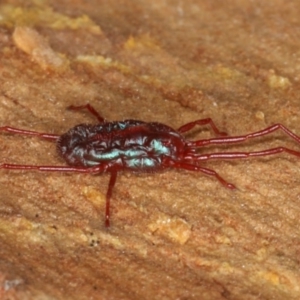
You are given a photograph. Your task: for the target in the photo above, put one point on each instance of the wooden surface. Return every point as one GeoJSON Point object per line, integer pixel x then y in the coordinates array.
{"type": "Point", "coordinates": [175, 234]}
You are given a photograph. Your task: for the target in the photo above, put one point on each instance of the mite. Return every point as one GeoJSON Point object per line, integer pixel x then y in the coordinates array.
{"type": "Point", "coordinates": [139, 146]}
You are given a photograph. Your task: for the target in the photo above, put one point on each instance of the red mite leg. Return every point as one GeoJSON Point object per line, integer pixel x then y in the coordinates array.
{"type": "Point", "coordinates": [98, 169]}
{"type": "Point", "coordinates": [90, 108]}
{"type": "Point", "coordinates": [113, 176]}
{"type": "Point", "coordinates": [46, 136]}
{"type": "Point", "coordinates": [191, 167]}
{"type": "Point", "coordinates": [236, 155]}
{"type": "Point", "coordinates": [207, 121]}
{"type": "Point", "coordinates": [242, 138]}
{"type": "Point", "coordinates": [112, 181]}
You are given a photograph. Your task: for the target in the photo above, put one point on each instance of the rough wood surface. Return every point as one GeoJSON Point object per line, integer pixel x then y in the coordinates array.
{"type": "Point", "coordinates": [176, 234]}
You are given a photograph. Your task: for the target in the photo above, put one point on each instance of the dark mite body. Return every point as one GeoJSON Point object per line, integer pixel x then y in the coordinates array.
{"type": "Point", "coordinates": [140, 147]}
{"type": "Point", "coordinates": [126, 145]}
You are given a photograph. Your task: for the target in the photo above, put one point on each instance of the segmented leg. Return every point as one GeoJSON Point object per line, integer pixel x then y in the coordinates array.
{"type": "Point", "coordinates": [236, 155]}
{"type": "Point", "coordinates": [191, 167]}
{"type": "Point", "coordinates": [90, 108]}
{"type": "Point", "coordinates": [242, 138]}
{"type": "Point", "coordinates": [43, 135]}
{"type": "Point", "coordinates": [93, 170]}
{"type": "Point", "coordinates": [112, 182]}
{"type": "Point", "coordinates": [207, 121]}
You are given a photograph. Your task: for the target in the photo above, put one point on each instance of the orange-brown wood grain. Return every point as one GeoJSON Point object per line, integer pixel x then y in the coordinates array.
{"type": "Point", "coordinates": [174, 234]}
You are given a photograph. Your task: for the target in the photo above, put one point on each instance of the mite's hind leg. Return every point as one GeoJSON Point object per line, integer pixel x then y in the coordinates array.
{"type": "Point", "coordinates": [90, 108]}
{"type": "Point", "coordinates": [207, 121]}
{"type": "Point", "coordinates": [93, 170]}
{"type": "Point", "coordinates": [47, 136]}
{"type": "Point", "coordinates": [62, 169]}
